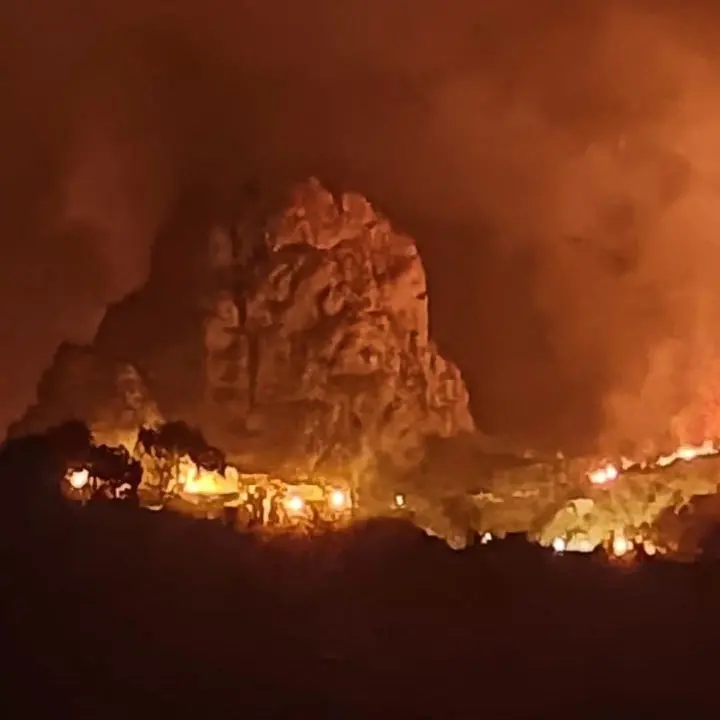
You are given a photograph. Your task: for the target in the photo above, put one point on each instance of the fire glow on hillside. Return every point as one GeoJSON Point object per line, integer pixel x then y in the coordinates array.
{"type": "Point", "coordinates": [196, 480]}
{"type": "Point", "coordinates": [685, 453]}
{"type": "Point", "coordinates": [621, 509]}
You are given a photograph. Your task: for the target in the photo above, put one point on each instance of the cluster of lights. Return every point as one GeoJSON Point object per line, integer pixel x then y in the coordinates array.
{"type": "Point", "coordinates": [337, 500]}
{"type": "Point", "coordinates": [603, 475]}
{"type": "Point", "coordinates": [620, 546]}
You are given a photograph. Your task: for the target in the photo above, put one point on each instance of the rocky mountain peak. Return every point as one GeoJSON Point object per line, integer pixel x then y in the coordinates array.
{"type": "Point", "coordinates": [331, 324]}
{"type": "Point", "coordinates": [310, 347]}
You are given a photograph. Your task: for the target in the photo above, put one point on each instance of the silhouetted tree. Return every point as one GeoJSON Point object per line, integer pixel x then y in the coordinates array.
{"type": "Point", "coordinates": [114, 467]}
{"type": "Point", "coordinates": [147, 440]}
{"type": "Point", "coordinates": [109, 463]}
{"type": "Point", "coordinates": [71, 442]}
{"type": "Point", "coordinates": [167, 444]}
{"type": "Point", "coordinates": [180, 438]}
{"type": "Point", "coordinates": [210, 458]}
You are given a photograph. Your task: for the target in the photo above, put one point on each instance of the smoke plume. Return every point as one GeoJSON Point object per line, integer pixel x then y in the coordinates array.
{"type": "Point", "coordinates": [558, 161]}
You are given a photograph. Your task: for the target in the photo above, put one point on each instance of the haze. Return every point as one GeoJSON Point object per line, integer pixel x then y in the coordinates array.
{"type": "Point", "coordinates": [558, 162]}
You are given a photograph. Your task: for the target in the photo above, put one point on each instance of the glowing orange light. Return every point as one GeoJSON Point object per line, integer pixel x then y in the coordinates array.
{"type": "Point", "coordinates": [603, 475]}
{"type": "Point", "coordinates": [338, 500]}
{"type": "Point", "coordinates": [559, 544]}
{"type": "Point", "coordinates": [295, 504]}
{"type": "Point", "coordinates": [621, 546]}
{"type": "Point", "coordinates": [688, 453]}
{"type": "Point", "coordinates": [78, 479]}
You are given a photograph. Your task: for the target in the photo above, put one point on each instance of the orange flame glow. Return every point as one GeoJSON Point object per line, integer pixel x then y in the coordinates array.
{"type": "Point", "coordinates": [685, 453]}
{"type": "Point", "coordinates": [603, 475]}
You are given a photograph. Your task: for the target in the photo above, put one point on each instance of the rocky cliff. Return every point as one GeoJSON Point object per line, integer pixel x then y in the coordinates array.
{"type": "Point", "coordinates": [110, 396]}
{"type": "Point", "coordinates": [317, 339]}
{"type": "Point", "coordinates": [300, 344]}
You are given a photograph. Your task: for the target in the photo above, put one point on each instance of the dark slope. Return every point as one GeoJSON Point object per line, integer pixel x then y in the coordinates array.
{"type": "Point", "coordinates": [109, 610]}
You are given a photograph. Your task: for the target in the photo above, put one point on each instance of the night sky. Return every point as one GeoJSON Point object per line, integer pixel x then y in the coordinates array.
{"type": "Point", "coordinates": [558, 162]}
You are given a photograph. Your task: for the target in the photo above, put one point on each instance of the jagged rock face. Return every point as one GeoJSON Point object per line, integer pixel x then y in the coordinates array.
{"type": "Point", "coordinates": [305, 345]}
{"type": "Point", "coordinates": [110, 397]}
{"type": "Point", "coordinates": [326, 343]}
{"type": "Point", "coordinates": [129, 409]}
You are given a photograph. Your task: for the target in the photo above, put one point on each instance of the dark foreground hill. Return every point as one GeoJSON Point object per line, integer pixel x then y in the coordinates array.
{"type": "Point", "coordinates": [109, 610]}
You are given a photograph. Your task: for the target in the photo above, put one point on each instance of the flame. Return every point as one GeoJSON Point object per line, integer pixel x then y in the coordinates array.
{"type": "Point", "coordinates": [650, 548]}
{"type": "Point", "coordinates": [198, 481]}
{"type": "Point", "coordinates": [685, 453]}
{"type": "Point", "coordinates": [295, 504]}
{"type": "Point", "coordinates": [202, 483]}
{"type": "Point", "coordinates": [78, 479]}
{"type": "Point", "coordinates": [608, 472]}
{"type": "Point", "coordinates": [621, 545]}
{"type": "Point", "coordinates": [338, 500]}
{"type": "Point", "coordinates": [603, 475]}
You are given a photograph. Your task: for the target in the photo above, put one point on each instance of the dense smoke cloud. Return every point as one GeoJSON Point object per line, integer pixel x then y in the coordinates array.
{"type": "Point", "coordinates": [558, 161]}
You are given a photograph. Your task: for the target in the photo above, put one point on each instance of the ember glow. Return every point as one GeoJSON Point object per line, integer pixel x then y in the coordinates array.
{"type": "Point", "coordinates": [295, 504]}
{"type": "Point", "coordinates": [688, 453]}
{"type": "Point", "coordinates": [603, 475]}
{"type": "Point", "coordinates": [338, 500]}
{"type": "Point", "coordinates": [201, 483]}
{"type": "Point", "coordinates": [196, 480]}
{"type": "Point", "coordinates": [621, 546]}
{"type": "Point", "coordinates": [685, 453]}
{"type": "Point", "coordinates": [649, 548]}
{"type": "Point", "coordinates": [78, 479]}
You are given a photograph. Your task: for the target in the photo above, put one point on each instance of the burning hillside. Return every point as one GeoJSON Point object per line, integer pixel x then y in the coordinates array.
{"type": "Point", "coordinates": [296, 339]}
{"type": "Point", "coordinates": [686, 453]}
{"type": "Point", "coordinates": [625, 501]}
{"type": "Point", "coordinates": [637, 508]}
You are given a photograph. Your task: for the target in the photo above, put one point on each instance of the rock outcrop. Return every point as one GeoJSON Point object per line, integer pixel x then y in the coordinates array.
{"type": "Point", "coordinates": [110, 396]}
{"type": "Point", "coordinates": [317, 341]}
{"type": "Point", "coordinates": [307, 347]}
